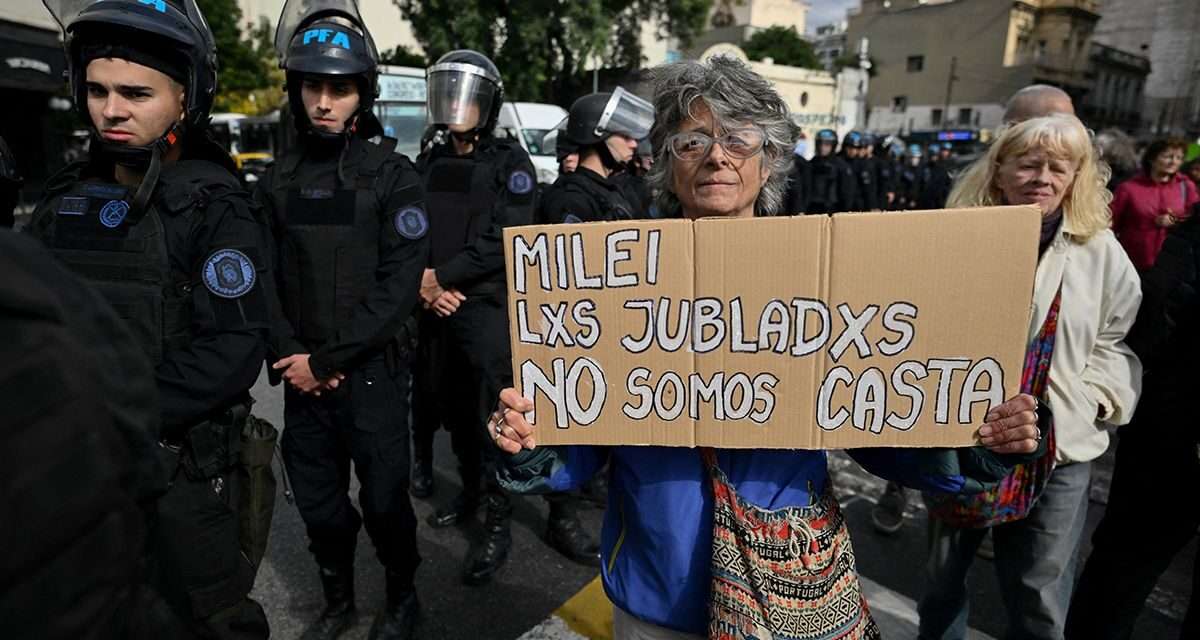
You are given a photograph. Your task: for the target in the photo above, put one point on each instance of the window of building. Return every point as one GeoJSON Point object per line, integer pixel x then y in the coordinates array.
{"type": "Point", "coordinates": [899, 104]}
{"type": "Point", "coordinates": [916, 64]}
{"type": "Point", "coordinates": [964, 116]}
{"type": "Point", "coordinates": [804, 98]}
{"type": "Point", "coordinates": [1041, 49]}
{"type": "Point", "coordinates": [935, 117]}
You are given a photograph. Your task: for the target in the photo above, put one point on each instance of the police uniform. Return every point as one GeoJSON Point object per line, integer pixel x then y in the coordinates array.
{"type": "Point", "coordinates": [834, 185]}
{"type": "Point", "coordinates": [181, 259]}
{"type": "Point", "coordinates": [470, 200]}
{"type": "Point", "coordinates": [586, 196]}
{"type": "Point", "coordinates": [799, 187]}
{"type": "Point", "coordinates": [351, 240]}
{"type": "Point", "coordinates": [189, 278]}
{"type": "Point", "coordinates": [937, 184]}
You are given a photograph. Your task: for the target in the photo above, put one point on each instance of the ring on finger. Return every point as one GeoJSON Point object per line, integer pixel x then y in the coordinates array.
{"type": "Point", "coordinates": [1038, 431]}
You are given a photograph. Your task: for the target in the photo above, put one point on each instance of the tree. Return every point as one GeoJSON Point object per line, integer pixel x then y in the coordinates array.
{"type": "Point", "coordinates": [783, 45]}
{"type": "Point", "coordinates": [401, 56]}
{"type": "Point", "coordinates": [543, 47]}
{"type": "Point", "coordinates": [246, 65]}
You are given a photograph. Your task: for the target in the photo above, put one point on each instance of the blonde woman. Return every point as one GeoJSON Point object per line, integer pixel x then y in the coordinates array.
{"type": "Point", "coordinates": [1086, 296]}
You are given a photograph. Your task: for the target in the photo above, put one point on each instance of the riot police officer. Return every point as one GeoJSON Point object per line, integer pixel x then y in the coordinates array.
{"type": "Point", "coordinates": [833, 185]}
{"type": "Point", "coordinates": [633, 181]}
{"type": "Point", "coordinates": [800, 182]}
{"type": "Point", "coordinates": [910, 178]}
{"type": "Point", "coordinates": [10, 186]}
{"type": "Point", "coordinates": [157, 222]}
{"type": "Point", "coordinates": [351, 232]}
{"type": "Point", "coordinates": [938, 183]}
{"type": "Point", "coordinates": [604, 128]}
{"type": "Point", "coordinates": [880, 155]}
{"type": "Point", "coordinates": [475, 186]}
{"type": "Point", "coordinates": [854, 151]}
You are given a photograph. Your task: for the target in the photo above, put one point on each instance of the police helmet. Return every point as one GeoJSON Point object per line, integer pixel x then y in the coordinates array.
{"type": "Point", "coordinates": [331, 47]}
{"type": "Point", "coordinates": [933, 148]}
{"type": "Point", "coordinates": [827, 135]}
{"type": "Point", "coordinates": [854, 140]}
{"type": "Point", "coordinates": [914, 151]}
{"type": "Point", "coordinates": [868, 139]}
{"type": "Point", "coordinates": [170, 36]}
{"type": "Point", "coordinates": [645, 148]}
{"type": "Point", "coordinates": [595, 117]}
{"type": "Point", "coordinates": [464, 85]}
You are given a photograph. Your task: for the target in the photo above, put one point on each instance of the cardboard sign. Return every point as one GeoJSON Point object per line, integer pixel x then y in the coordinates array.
{"type": "Point", "coordinates": [814, 332]}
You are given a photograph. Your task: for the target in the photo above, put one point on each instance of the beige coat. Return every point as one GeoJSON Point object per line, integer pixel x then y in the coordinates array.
{"type": "Point", "coordinates": [1095, 379]}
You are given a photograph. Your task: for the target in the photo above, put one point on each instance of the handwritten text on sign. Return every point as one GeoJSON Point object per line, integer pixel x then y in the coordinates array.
{"type": "Point", "coordinates": [752, 333]}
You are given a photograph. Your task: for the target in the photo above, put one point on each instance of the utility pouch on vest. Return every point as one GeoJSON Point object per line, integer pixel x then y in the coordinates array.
{"type": "Point", "coordinates": [212, 446]}
{"type": "Point", "coordinates": [256, 489]}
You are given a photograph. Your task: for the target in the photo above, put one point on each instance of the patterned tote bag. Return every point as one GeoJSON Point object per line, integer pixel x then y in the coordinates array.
{"type": "Point", "coordinates": [782, 574]}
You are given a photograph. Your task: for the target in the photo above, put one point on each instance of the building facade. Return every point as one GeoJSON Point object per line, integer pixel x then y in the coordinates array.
{"type": "Point", "coordinates": [955, 63]}
{"type": "Point", "coordinates": [830, 43]}
{"type": "Point", "coordinates": [1118, 82]}
{"type": "Point", "coordinates": [1165, 32]}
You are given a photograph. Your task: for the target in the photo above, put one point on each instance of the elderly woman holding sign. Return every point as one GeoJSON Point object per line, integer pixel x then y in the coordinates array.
{"type": "Point", "coordinates": [677, 556]}
{"type": "Point", "coordinates": [1085, 299]}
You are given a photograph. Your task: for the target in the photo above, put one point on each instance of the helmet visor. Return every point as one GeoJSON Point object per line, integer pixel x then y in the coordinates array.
{"type": "Point", "coordinates": [627, 115]}
{"type": "Point", "coordinates": [66, 12]}
{"type": "Point", "coordinates": [297, 13]}
{"type": "Point", "coordinates": [459, 95]}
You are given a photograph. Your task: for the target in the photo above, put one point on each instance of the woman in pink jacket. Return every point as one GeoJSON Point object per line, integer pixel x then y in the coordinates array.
{"type": "Point", "coordinates": [1147, 205]}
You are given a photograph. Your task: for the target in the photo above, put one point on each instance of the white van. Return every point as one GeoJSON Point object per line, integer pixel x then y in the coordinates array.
{"type": "Point", "coordinates": [529, 122]}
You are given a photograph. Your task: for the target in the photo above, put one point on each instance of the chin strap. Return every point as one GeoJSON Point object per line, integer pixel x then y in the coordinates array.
{"type": "Point", "coordinates": [142, 197]}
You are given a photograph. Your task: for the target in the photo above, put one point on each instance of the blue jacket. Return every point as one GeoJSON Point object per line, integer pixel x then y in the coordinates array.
{"type": "Point", "coordinates": [657, 535]}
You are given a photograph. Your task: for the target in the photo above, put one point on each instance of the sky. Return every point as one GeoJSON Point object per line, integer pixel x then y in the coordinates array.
{"type": "Point", "coordinates": [824, 12]}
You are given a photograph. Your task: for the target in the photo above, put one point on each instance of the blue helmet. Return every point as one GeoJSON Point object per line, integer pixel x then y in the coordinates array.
{"type": "Point", "coordinates": [854, 140]}
{"type": "Point", "coordinates": [827, 135]}
{"type": "Point", "coordinates": [914, 151]}
{"type": "Point", "coordinates": [934, 148]}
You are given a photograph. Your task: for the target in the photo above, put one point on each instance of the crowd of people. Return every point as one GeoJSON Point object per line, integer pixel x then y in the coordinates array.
{"type": "Point", "coordinates": [150, 288]}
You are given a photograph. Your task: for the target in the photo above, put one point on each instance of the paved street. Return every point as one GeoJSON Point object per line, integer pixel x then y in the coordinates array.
{"type": "Point", "coordinates": [536, 582]}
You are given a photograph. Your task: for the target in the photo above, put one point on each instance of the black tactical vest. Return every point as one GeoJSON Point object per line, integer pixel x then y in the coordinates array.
{"type": "Point", "coordinates": [824, 180]}
{"type": "Point", "coordinates": [459, 194]}
{"type": "Point", "coordinates": [328, 239]}
{"type": "Point", "coordinates": [90, 227]}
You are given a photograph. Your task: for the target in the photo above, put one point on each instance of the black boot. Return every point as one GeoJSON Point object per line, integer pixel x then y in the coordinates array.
{"type": "Point", "coordinates": [462, 508]}
{"type": "Point", "coordinates": [422, 477]}
{"type": "Point", "coordinates": [486, 557]}
{"type": "Point", "coordinates": [339, 614]}
{"type": "Point", "coordinates": [399, 617]}
{"type": "Point", "coordinates": [566, 535]}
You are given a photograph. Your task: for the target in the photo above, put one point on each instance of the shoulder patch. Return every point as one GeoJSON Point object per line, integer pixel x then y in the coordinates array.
{"type": "Point", "coordinates": [520, 182]}
{"type": "Point", "coordinates": [113, 213]}
{"type": "Point", "coordinates": [228, 273]}
{"type": "Point", "coordinates": [411, 222]}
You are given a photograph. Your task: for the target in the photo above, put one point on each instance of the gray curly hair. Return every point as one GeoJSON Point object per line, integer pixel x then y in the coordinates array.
{"type": "Point", "coordinates": [733, 93]}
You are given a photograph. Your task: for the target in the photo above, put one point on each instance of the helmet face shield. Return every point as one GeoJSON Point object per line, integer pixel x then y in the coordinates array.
{"type": "Point", "coordinates": [627, 115]}
{"type": "Point", "coordinates": [460, 95]}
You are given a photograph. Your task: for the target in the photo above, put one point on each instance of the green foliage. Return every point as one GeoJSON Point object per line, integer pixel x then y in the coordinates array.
{"type": "Point", "coordinates": [248, 80]}
{"type": "Point", "coordinates": [402, 56]}
{"type": "Point", "coordinates": [544, 47]}
{"type": "Point", "coordinates": [783, 45]}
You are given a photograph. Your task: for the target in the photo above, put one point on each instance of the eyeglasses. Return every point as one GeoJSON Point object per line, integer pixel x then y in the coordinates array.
{"type": "Point", "coordinates": [739, 143]}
